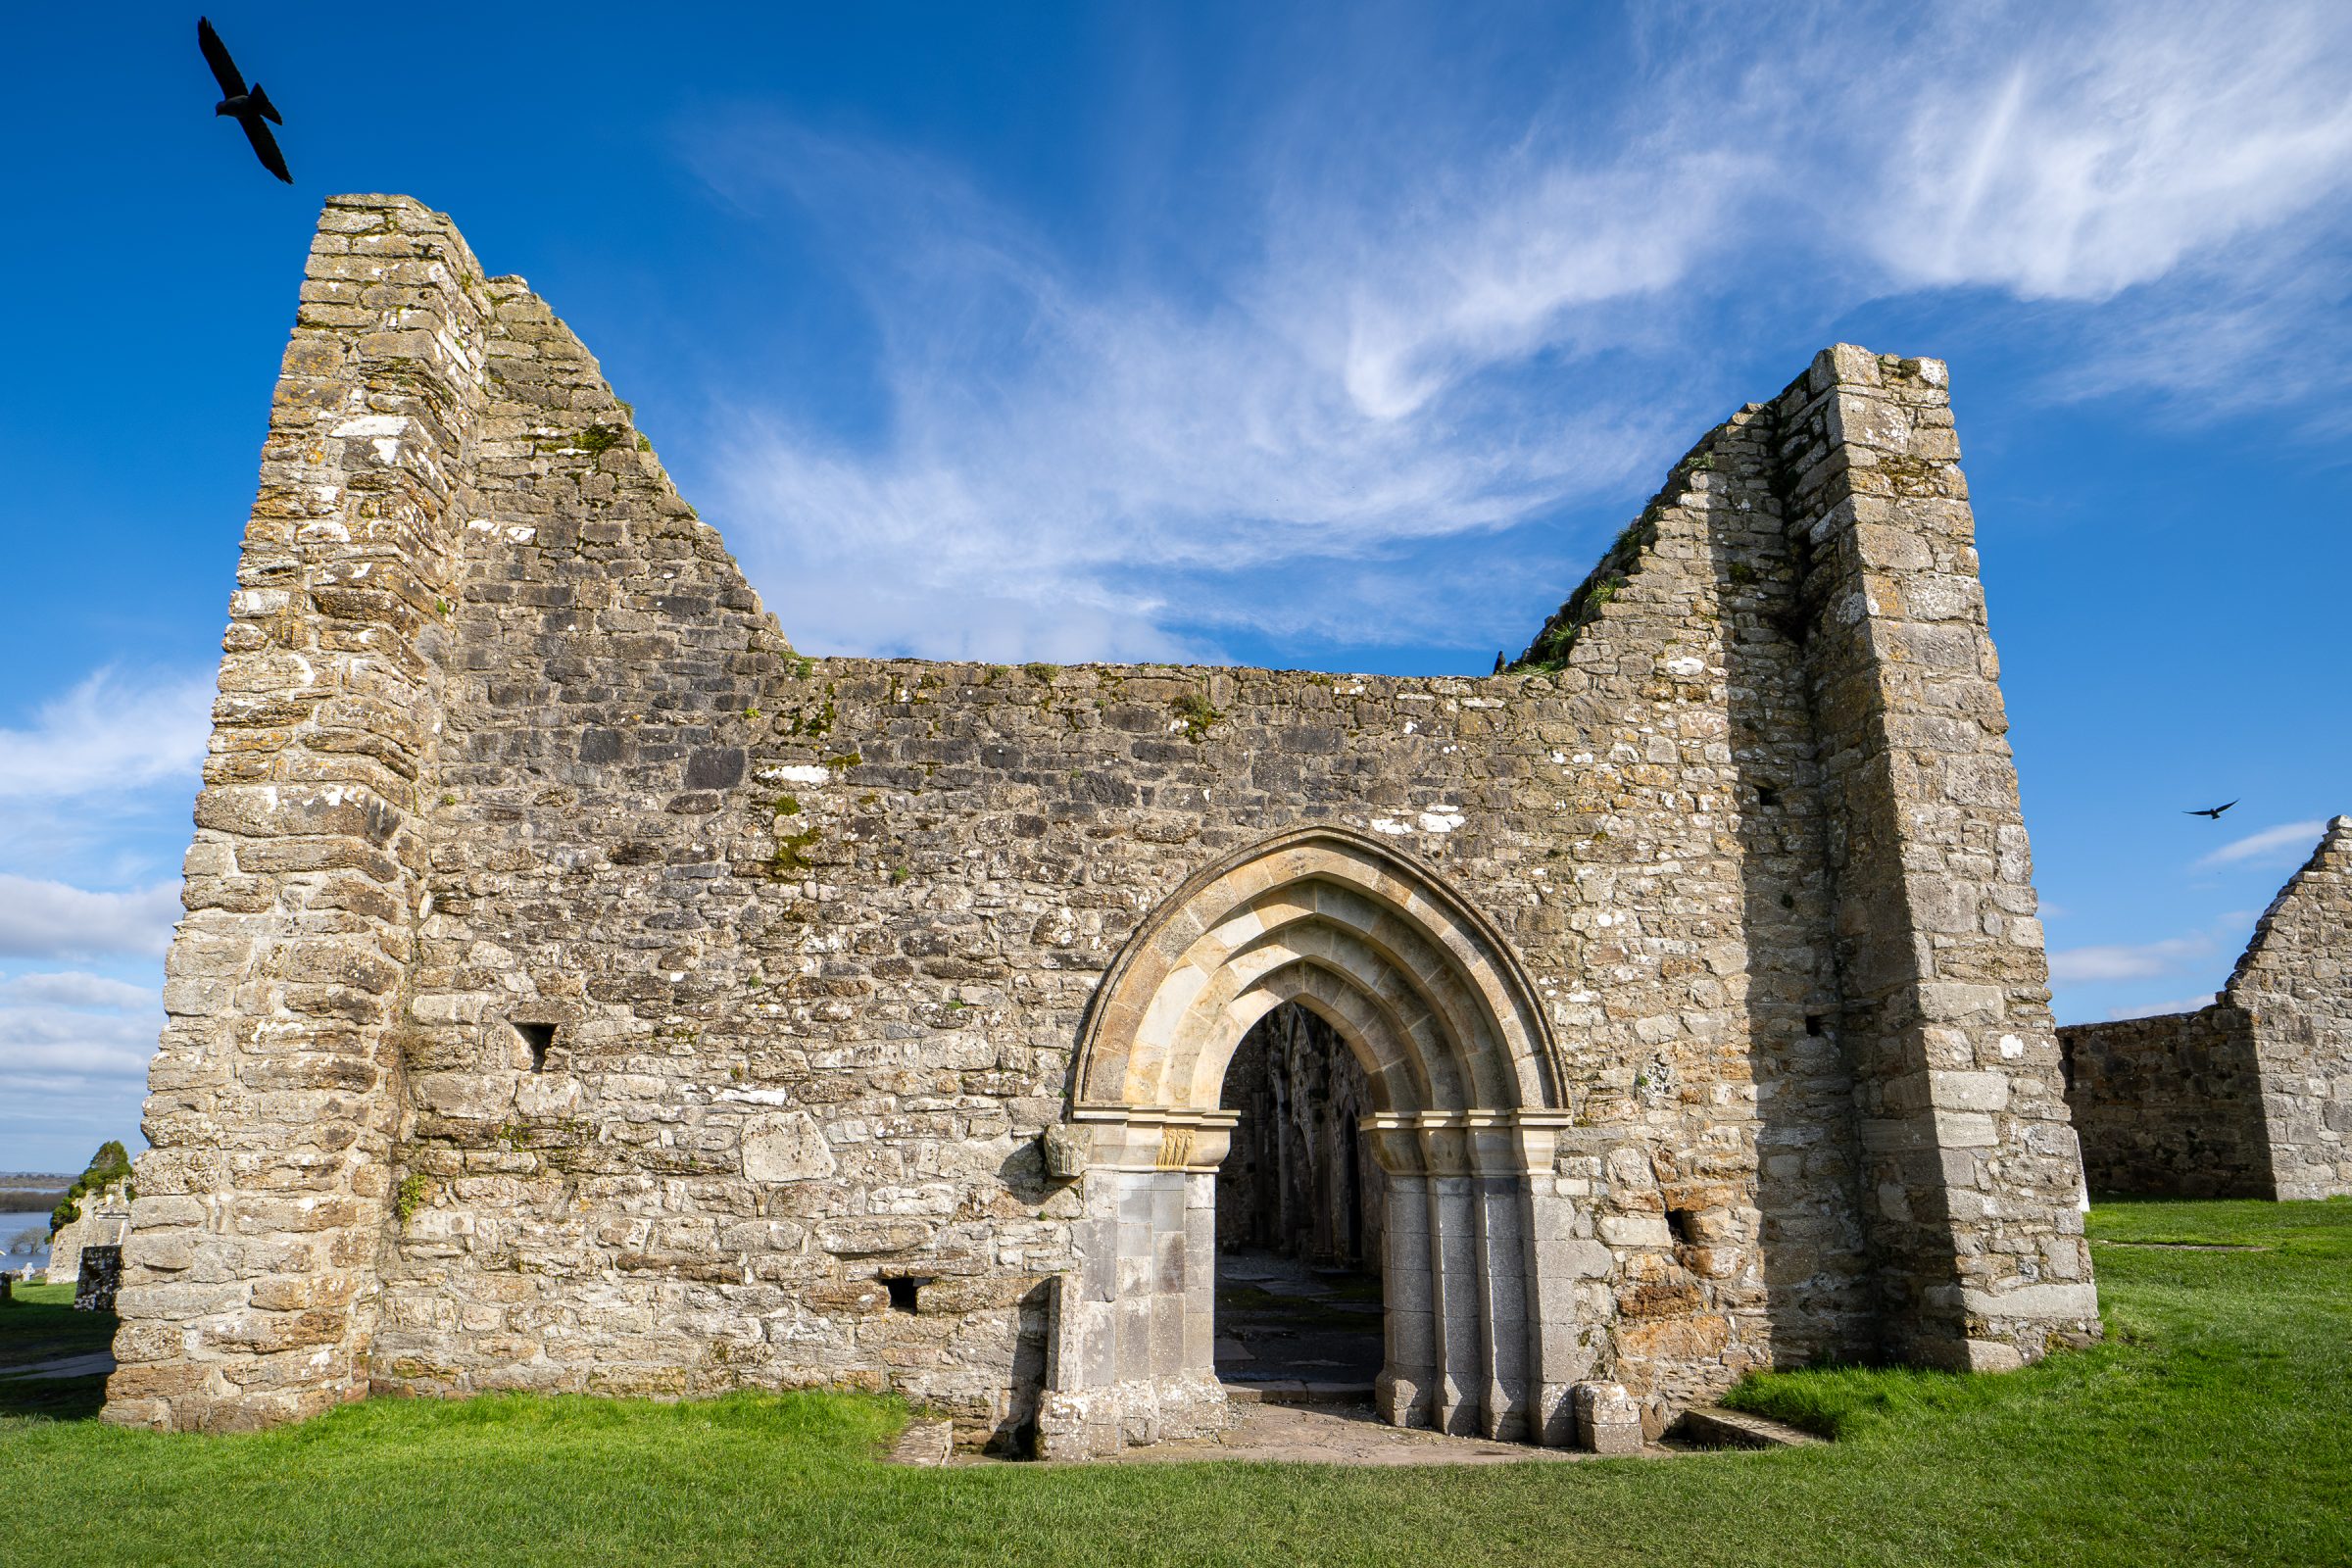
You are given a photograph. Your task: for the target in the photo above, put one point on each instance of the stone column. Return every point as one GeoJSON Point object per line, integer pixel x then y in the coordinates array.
{"type": "Point", "coordinates": [1554, 1262]}
{"type": "Point", "coordinates": [250, 1281]}
{"type": "Point", "coordinates": [1406, 1392]}
{"type": "Point", "coordinates": [1132, 1353]}
{"type": "Point", "coordinates": [1969, 1160]}
{"type": "Point", "coordinates": [1480, 1331]}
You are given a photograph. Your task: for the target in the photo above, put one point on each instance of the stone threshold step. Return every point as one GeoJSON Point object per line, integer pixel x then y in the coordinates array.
{"type": "Point", "coordinates": [1298, 1390]}
{"type": "Point", "coordinates": [926, 1443]}
{"type": "Point", "coordinates": [1711, 1426]}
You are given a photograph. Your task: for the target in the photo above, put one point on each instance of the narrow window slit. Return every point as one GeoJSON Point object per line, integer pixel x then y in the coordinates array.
{"type": "Point", "coordinates": [539, 1037]}
{"type": "Point", "coordinates": [903, 1289]}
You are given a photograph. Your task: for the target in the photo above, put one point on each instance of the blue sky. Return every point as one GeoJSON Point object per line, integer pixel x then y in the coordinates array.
{"type": "Point", "coordinates": [1339, 336]}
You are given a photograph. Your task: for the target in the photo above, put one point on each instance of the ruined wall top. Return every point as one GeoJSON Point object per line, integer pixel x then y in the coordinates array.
{"type": "Point", "coordinates": [2298, 945]}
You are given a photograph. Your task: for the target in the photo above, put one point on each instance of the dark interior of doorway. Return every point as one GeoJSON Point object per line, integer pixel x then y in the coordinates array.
{"type": "Point", "coordinates": [1300, 1207]}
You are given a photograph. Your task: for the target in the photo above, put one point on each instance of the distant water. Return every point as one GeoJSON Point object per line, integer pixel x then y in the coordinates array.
{"type": "Point", "coordinates": [14, 1224]}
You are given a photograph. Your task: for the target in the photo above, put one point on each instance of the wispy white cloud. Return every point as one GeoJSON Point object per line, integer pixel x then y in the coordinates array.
{"type": "Point", "coordinates": [2289, 843]}
{"type": "Point", "coordinates": [50, 1042]}
{"type": "Point", "coordinates": [112, 734]}
{"type": "Point", "coordinates": [40, 919]}
{"type": "Point", "coordinates": [2077, 153]}
{"type": "Point", "coordinates": [1064, 477]}
{"type": "Point", "coordinates": [1431, 323]}
{"type": "Point", "coordinates": [74, 989]}
{"type": "Point", "coordinates": [2153, 1009]}
{"type": "Point", "coordinates": [2128, 962]}
{"type": "Point", "coordinates": [73, 1054]}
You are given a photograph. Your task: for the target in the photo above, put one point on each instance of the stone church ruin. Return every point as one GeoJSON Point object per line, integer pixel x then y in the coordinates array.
{"type": "Point", "coordinates": [2250, 1095]}
{"type": "Point", "coordinates": [580, 989]}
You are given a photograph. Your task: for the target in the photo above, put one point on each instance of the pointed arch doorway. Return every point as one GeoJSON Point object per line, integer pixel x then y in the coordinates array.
{"type": "Point", "coordinates": [1479, 1337]}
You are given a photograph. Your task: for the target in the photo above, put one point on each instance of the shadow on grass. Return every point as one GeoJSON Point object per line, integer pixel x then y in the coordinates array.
{"type": "Point", "coordinates": [53, 1398]}
{"type": "Point", "coordinates": [41, 1325]}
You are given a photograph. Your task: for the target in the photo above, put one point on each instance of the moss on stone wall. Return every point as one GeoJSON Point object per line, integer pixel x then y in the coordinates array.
{"type": "Point", "coordinates": [1551, 648]}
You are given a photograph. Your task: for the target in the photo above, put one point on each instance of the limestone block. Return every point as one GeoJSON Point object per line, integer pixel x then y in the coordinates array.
{"type": "Point", "coordinates": [1607, 1419]}
{"type": "Point", "coordinates": [787, 1147]}
{"type": "Point", "coordinates": [867, 1237]}
{"type": "Point", "coordinates": [1636, 1230]}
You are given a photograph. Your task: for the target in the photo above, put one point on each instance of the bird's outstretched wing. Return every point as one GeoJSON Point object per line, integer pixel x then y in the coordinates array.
{"type": "Point", "coordinates": [265, 147]}
{"type": "Point", "coordinates": [216, 55]}
{"type": "Point", "coordinates": [2223, 806]}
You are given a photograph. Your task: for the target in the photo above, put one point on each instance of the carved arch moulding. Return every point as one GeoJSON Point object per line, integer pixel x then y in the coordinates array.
{"type": "Point", "coordinates": [1469, 1095]}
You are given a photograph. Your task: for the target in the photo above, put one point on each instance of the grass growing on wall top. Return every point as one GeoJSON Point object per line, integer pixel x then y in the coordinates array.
{"type": "Point", "coordinates": [2210, 1427]}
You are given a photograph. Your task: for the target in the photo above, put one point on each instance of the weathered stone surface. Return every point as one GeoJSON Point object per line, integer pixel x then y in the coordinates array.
{"type": "Point", "coordinates": [2250, 1096]}
{"type": "Point", "coordinates": [615, 999]}
{"type": "Point", "coordinates": [1608, 1419]}
{"type": "Point", "coordinates": [104, 1220]}
{"type": "Point", "coordinates": [101, 1276]}
{"type": "Point", "coordinates": [786, 1148]}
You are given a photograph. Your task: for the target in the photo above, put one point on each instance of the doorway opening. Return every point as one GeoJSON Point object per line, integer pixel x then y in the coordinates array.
{"type": "Point", "coordinates": [1301, 1209]}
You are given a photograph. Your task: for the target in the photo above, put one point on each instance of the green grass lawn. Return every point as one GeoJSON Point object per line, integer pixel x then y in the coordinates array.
{"type": "Point", "coordinates": [2214, 1426]}
{"type": "Point", "coordinates": [41, 1325]}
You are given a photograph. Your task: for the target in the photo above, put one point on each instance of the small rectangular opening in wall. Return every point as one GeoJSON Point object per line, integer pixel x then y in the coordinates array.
{"type": "Point", "coordinates": [903, 1289]}
{"type": "Point", "coordinates": [1813, 1023]}
{"type": "Point", "coordinates": [539, 1037]}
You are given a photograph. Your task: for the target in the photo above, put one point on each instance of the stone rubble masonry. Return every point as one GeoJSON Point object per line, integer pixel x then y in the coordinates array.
{"type": "Point", "coordinates": [581, 990]}
{"type": "Point", "coordinates": [2168, 1106]}
{"type": "Point", "coordinates": [2250, 1096]}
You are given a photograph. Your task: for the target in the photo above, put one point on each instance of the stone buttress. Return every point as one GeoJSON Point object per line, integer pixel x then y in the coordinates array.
{"type": "Point", "coordinates": [251, 1278]}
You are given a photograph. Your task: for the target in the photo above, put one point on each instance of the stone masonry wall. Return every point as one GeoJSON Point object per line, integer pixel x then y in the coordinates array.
{"type": "Point", "coordinates": [104, 1221]}
{"type": "Point", "coordinates": [583, 990]}
{"type": "Point", "coordinates": [2168, 1106]}
{"type": "Point", "coordinates": [2252, 1096]}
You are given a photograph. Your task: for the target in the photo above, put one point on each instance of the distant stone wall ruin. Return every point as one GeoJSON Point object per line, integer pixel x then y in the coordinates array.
{"type": "Point", "coordinates": [104, 1220]}
{"type": "Point", "coordinates": [581, 989]}
{"type": "Point", "coordinates": [2252, 1096]}
{"type": "Point", "coordinates": [2168, 1106]}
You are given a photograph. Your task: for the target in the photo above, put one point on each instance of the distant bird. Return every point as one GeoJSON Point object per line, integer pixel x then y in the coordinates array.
{"type": "Point", "coordinates": [2214, 811]}
{"type": "Point", "coordinates": [249, 105]}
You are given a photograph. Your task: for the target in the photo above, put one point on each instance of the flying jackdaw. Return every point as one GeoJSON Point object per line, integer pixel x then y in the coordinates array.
{"type": "Point", "coordinates": [249, 105]}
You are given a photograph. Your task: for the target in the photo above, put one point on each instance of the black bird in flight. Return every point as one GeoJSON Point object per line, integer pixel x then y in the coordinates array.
{"type": "Point", "coordinates": [2214, 811]}
{"type": "Point", "coordinates": [250, 105]}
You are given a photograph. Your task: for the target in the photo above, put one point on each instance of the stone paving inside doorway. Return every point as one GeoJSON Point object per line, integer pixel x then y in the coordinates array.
{"type": "Point", "coordinates": [1293, 1331]}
